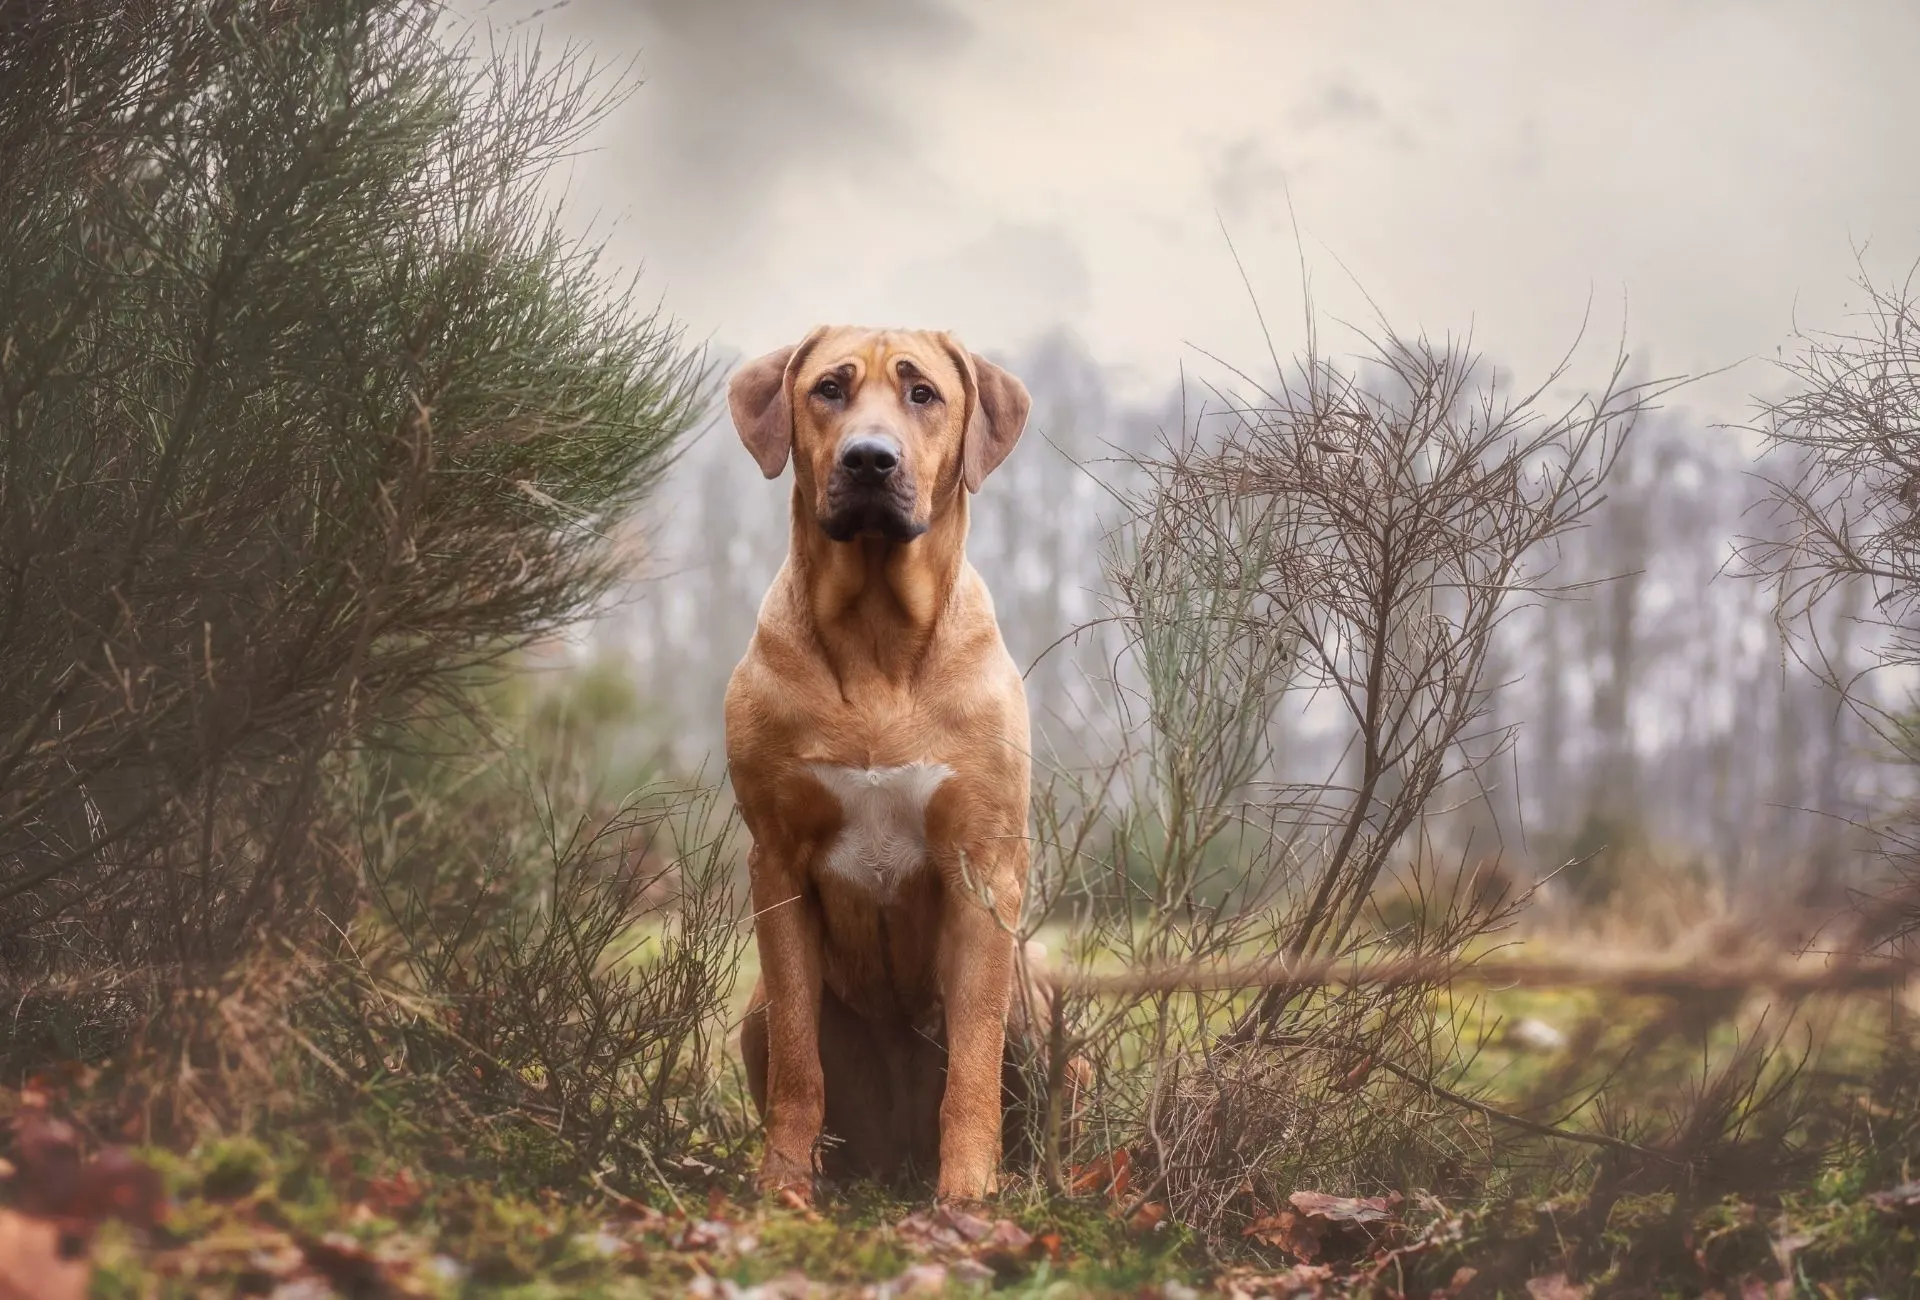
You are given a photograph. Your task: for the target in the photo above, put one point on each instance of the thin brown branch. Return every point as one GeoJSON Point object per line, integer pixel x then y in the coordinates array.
{"type": "Point", "coordinates": [1630, 975]}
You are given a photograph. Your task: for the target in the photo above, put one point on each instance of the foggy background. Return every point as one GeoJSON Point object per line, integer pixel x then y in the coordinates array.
{"type": "Point", "coordinates": [1058, 182]}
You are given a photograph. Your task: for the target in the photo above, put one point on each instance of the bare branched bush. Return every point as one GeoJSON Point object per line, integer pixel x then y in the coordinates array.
{"type": "Point", "coordinates": [308, 408]}
{"type": "Point", "coordinates": [1843, 530]}
{"type": "Point", "coordinates": [1335, 550]}
{"type": "Point", "coordinates": [534, 988]}
{"type": "Point", "coordinates": [542, 974]}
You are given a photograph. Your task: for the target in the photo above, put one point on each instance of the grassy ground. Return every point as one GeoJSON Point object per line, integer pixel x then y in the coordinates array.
{"type": "Point", "coordinates": [360, 1208]}
{"type": "Point", "coordinates": [299, 1222]}
{"type": "Point", "coordinates": [297, 1218]}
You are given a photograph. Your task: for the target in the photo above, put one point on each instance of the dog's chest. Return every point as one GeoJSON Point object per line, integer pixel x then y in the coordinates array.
{"type": "Point", "coordinates": [883, 831]}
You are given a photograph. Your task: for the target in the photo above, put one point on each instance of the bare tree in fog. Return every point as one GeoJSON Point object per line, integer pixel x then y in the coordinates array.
{"type": "Point", "coordinates": [1842, 556]}
{"type": "Point", "coordinates": [1656, 708]}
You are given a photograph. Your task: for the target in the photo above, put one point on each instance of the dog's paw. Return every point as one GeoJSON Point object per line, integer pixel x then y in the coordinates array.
{"type": "Point", "coordinates": [786, 1182]}
{"type": "Point", "coordinates": [979, 1208]}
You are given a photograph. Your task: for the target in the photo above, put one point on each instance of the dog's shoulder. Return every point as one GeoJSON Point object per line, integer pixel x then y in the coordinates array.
{"type": "Point", "coordinates": [780, 666]}
{"type": "Point", "coordinates": [970, 635]}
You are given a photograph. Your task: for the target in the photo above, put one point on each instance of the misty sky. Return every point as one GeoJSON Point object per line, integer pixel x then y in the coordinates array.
{"type": "Point", "coordinates": [1705, 168]}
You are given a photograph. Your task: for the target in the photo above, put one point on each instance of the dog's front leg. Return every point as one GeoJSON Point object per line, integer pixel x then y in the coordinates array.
{"type": "Point", "coordinates": [787, 932]}
{"type": "Point", "coordinates": [976, 977]}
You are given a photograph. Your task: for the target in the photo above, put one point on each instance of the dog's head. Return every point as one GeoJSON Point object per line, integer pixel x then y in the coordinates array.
{"type": "Point", "coordinates": [884, 426]}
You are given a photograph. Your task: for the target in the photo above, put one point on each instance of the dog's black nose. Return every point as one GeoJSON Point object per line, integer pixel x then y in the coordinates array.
{"type": "Point", "coordinates": [870, 460]}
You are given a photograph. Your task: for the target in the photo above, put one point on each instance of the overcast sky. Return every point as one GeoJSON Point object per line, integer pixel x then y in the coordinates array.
{"type": "Point", "coordinates": [1001, 167]}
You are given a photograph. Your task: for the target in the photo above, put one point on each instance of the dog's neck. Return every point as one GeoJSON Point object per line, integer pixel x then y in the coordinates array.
{"type": "Point", "coordinates": [875, 604]}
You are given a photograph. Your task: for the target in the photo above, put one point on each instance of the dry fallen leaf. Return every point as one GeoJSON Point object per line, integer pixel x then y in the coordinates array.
{"type": "Point", "coordinates": [1148, 1217]}
{"type": "Point", "coordinates": [1360, 1072]}
{"type": "Point", "coordinates": [1346, 1209]}
{"type": "Point", "coordinates": [1111, 1174]}
{"type": "Point", "coordinates": [1008, 1236]}
{"type": "Point", "coordinates": [956, 1236]}
{"type": "Point", "coordinates": [1287, 1231]}
{"type": "Point", "coordinates": [397, 1194]}
{"type": "Point", "coordinates": [1317, 1220]}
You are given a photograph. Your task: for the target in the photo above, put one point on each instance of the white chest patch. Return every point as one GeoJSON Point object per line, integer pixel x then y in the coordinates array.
{"type": "Point", "coordinates": [884, 836]}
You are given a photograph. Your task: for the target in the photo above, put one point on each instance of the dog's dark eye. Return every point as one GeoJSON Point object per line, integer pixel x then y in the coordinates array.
{"type": "Point", "coordinates": [921, 394]}
{"type": "Point", "coordinates": [829, 389]}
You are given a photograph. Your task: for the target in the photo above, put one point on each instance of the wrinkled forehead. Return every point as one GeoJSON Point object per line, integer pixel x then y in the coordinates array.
{"type": "Point", "coordinates": [861, 355]}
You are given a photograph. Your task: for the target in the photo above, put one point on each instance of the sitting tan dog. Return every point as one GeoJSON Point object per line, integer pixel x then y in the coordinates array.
{"type": "Point", "coordinates": [877, 742]}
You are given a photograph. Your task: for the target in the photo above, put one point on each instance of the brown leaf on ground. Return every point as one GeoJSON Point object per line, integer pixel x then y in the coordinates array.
{"type": "Point", "coordinates": [1111, 1173]}
{"type": "Point", "coordinates": [1554, 1286]}
{"type": "Point", "coordinates": [954, 1235]}
{"type": "Point", "coordinates": [970, 1226]}
{"type": "Point", "coordinates": [1008, 1236]}
{"type": "Point", "coordinates": [395, 1195]}
{"type": "Point", "coordinates": [1362, 1210]}
{"type": "Point", "coordinates": [1317, 1223]}
{"type": "Point", "coordinates": [1005, 1250]}
{"type": "Point", "coordinates": [1288, 1231]}
{"type": "Point", "coordinates": [1355, 1076]}
{"type": "Point", "coordinates": [36, 1262]}
{"type": "Point", "coordinates": [1148, 1217]}
{"type": "Point", "coordinates": [1456, 1284]}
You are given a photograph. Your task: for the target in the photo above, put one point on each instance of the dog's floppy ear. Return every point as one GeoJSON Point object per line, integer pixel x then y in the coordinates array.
{"type": "Point", "coordinates": [998, 416]}
{"type": "Point", "coordinates": [762, 408]}
{"type": "Point", "coordinates": [760, 397]}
